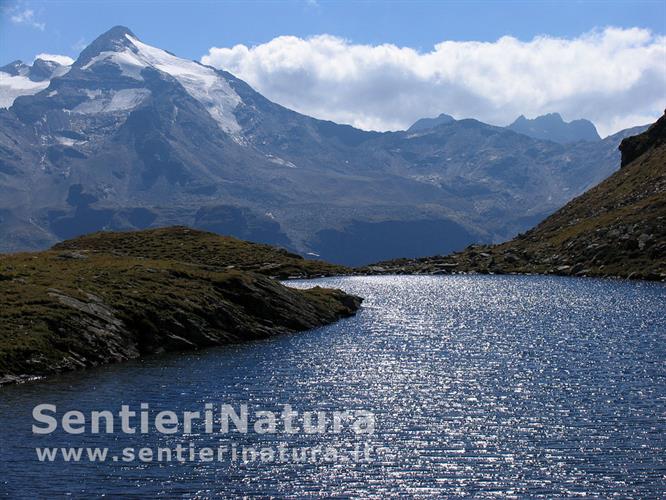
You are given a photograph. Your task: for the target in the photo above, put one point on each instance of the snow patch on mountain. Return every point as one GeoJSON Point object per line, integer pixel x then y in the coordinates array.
{"type": "Point", "coordinates": [19, 79]}
{"type": "Point", "coordinates": [93, 94]}
{"type": "Point", "coordinates": [128, 62]}
{"type": "Point", "coordinates": [280, 161]}
{"type": "Point", "coordinates": [12, 87]}
{"type": "Point", "coordinates": [66, 141]}
{"type": "Point", "coordinates": [201, 82]}
{"type": "Point", "coordinates": [16, 68]}
{"type": "Point", "coordinates": [112, 101]}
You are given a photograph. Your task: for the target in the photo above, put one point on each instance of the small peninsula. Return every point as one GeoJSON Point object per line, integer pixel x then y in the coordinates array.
{"type": "Point", "coordinates": [110, 297]}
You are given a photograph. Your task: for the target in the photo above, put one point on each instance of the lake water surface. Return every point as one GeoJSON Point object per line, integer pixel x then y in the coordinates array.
{"type": "Point", "coordinates": [480, 385]}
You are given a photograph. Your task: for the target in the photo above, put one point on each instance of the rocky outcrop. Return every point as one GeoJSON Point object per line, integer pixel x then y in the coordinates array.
{"type": "Point", "coordinates": [428, 123]}
{"type": "Point", "coordinates": [552, 127]}
{"type": "Point", "coordinates": [633, 147]}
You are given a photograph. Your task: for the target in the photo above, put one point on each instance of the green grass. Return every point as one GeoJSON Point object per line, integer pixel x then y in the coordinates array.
{"type": "Point", "coordinates": [191, 246]}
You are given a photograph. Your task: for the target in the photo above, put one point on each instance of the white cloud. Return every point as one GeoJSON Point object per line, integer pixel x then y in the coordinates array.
{"type": "Point", "coordinates": [27, 17]}
{"type": "Point", "coordinates": [60, 59]}
{"type": "Point", "coordinates": [80, 44]}
{"type": "Point", "coordinates": [614, 77]}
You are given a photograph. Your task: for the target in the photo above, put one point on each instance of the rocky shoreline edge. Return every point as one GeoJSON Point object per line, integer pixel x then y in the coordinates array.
{"type": "Point", "coordinates": [112, 297]}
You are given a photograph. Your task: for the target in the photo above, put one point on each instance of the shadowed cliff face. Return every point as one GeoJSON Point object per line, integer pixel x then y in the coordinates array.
{"type": "Point", "coordinates": [635, 146]}
{"type": "Point", "coordinates": [75, 307]}
{"type": "Point", "coordinates": [617, 228]}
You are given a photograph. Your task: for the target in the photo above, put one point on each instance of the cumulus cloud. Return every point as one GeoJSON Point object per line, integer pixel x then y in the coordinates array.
{"type": "Point", "coordinates": [60, 59]}
{"type": "Point", "coordinates": [27, 17]}
{"type": "Point", "coordinates": [614, 77]}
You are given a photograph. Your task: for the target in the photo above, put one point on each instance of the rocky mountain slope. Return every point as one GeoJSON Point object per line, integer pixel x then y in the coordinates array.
{"type": "Point", "coordinates": [88, 302]}
{"type": "Point", "coordinates": [617, 228]}
{"type": "Point", "coordinates": [132, 137]}
{"type": "Point", "coordinates": [553, 128]}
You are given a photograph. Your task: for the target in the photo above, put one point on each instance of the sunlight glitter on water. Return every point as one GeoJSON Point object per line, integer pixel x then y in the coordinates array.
{"type": "Point", "coordinates": [487, 386]}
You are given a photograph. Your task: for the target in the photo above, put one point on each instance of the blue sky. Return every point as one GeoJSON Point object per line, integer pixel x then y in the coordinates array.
{"type": "Point", "coordinates": [382, 65]}
{"type": "Point", "coordinates": [190, 28]}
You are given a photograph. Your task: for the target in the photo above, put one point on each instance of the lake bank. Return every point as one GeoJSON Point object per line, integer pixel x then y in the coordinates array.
{"type": "Point", "coordinates": [82, 305]}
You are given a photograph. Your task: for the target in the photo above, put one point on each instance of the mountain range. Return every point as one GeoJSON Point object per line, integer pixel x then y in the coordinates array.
{"type": "Point", "coordinates": [131, 136]}
{"type": "Point", "coordinates": [549, 127]}
{"type": "Point", "coordinates": [616, 229]}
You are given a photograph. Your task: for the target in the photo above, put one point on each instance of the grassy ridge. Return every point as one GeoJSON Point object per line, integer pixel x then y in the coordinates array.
{"type": "Point", "coordinates": [66, 309]}
{"type": "Point", "coordinates": [202, 248]}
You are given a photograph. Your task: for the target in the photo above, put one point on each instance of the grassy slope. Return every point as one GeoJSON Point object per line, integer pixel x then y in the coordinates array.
{"type": "Point", "coordinates": [64, 309]}
{"type": "Point", "coordinates": [203, 248]}
{"type": "Point", "coordinates": [617, 228]}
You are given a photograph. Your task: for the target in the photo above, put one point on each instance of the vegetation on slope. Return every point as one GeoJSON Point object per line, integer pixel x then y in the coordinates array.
{"type": "Point", "coordinates": [65, 309]}
{"type": "Point", "coordinates": [202, 248]}
{"type": "Point", "coordinates": [617, 228]}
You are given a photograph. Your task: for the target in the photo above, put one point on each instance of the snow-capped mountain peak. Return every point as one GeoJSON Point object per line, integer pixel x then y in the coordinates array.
{"type": "Point", "coordinates": [119, 47]}
{"type": "Point", "coordinates": [114, 40]}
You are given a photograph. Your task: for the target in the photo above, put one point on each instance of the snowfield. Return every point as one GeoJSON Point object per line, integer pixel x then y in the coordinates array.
{"type": "Point", "coordinates": [112, 101]}
{"type": "Point", "coordinates": [12, 87]}
{"type": "Point", "coordinates": [202, 82]}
